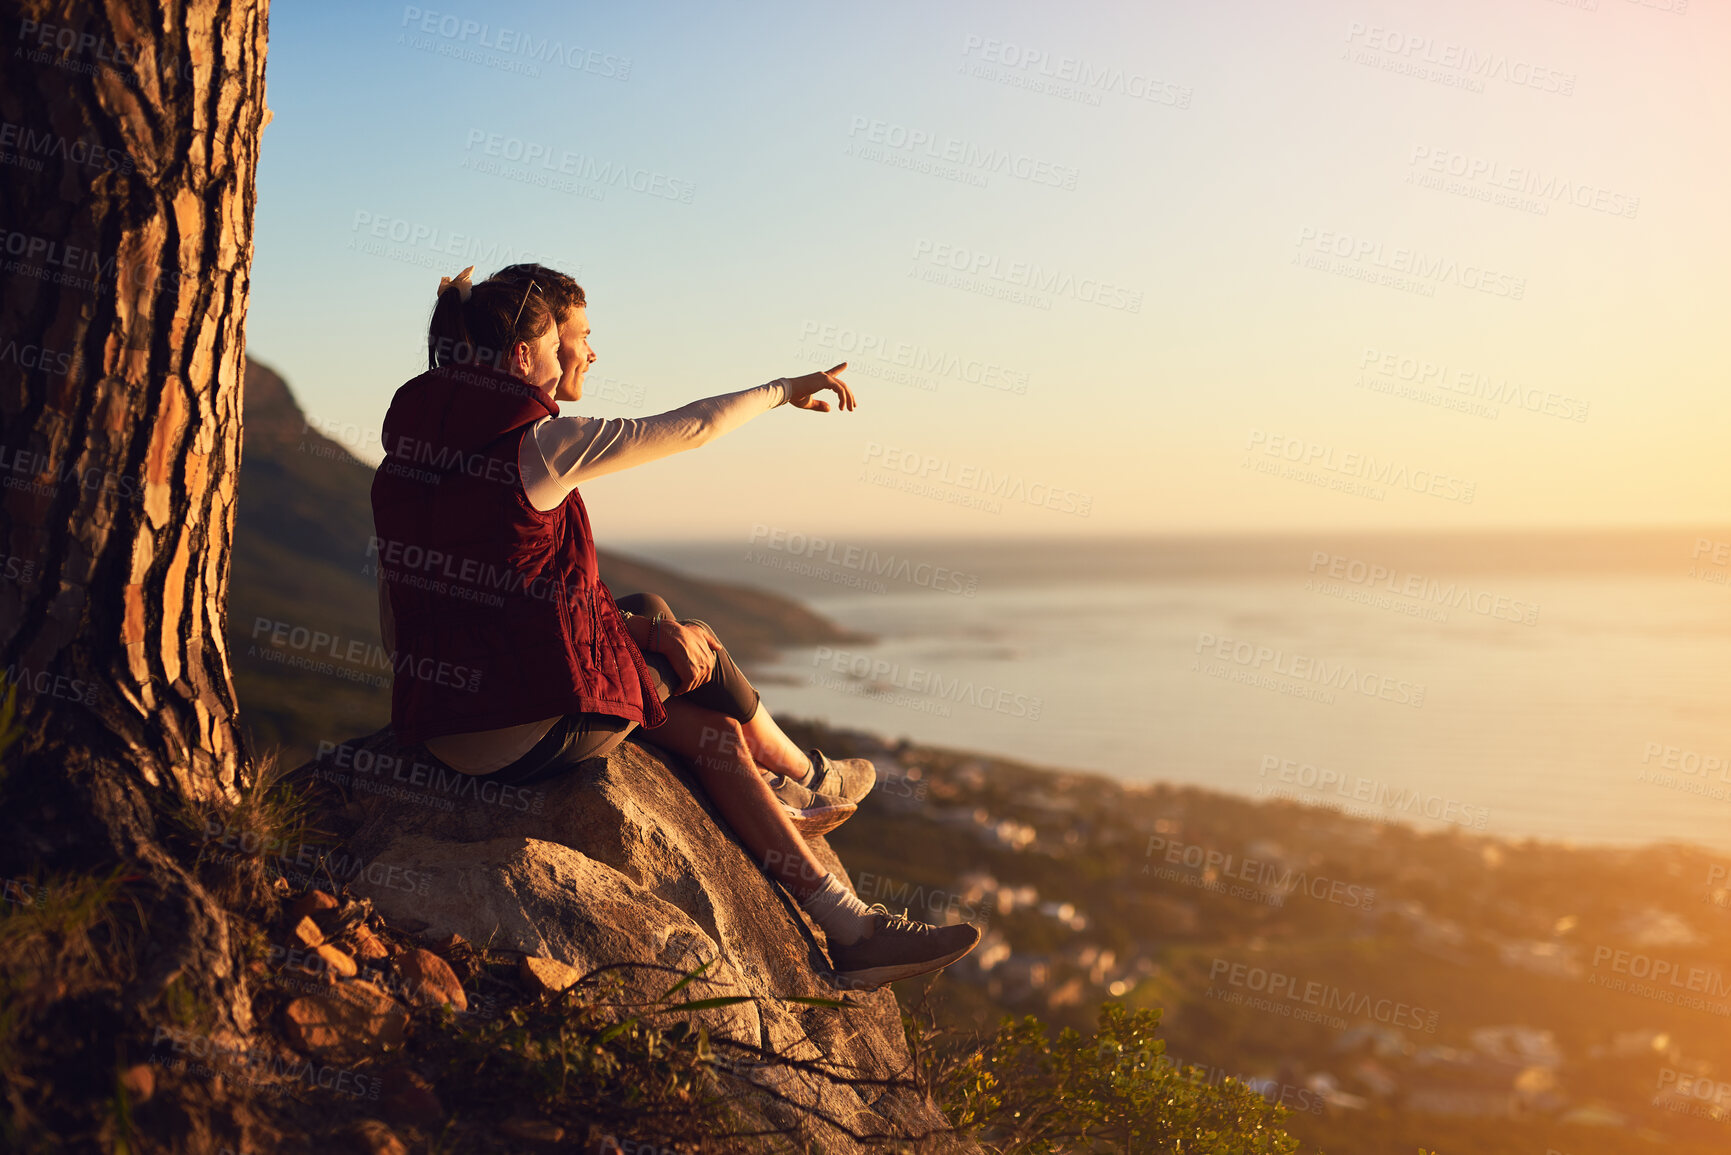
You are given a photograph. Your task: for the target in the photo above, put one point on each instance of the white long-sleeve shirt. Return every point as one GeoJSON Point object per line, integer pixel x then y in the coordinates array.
{"type": "Point", "coordinates": [560, 454]}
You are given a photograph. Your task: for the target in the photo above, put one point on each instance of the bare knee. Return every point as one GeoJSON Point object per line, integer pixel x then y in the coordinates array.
{"type": "Point", "coordinates": [709, 739]}
{"type": "Point", "coordinates": [722, 740]}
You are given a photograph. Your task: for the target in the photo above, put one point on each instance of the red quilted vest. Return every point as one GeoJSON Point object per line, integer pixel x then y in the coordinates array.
{"type": "Point", "coordinates": [501, 615]}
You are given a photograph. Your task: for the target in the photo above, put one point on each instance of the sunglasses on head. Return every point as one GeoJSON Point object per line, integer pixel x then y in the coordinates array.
{"type": "Point", "coordinates": [533, 288]}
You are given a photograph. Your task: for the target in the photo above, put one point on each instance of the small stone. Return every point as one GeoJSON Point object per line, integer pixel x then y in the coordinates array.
{"type": "Point", "coordinates": [355, 1017]}
{"type": "Point", "coordinates": [367, 944]}
{"type": "Point", "coordinates": [373, 1137]}
{"type": "Point", "coordinates": [456, 950]}
{"type": "Point", "coordinates": [546, 976]}
{"type": "Point", "coordinates": [139, 1081]}
{"type": "Point", "coordinates": [338, 962]}
{"type": "Point", "coordinates": [407, 1097]}
{"type": "Point", "coordinates": [430, 981]}
{"type": "Point", "coordinates": [307, 932]}
{"type": "Point", "coordinates": [449, 943]}
{"type": "Point", "coordinates": [309, 904]}
{"type": "Point", "coordinates": [531, 1130]}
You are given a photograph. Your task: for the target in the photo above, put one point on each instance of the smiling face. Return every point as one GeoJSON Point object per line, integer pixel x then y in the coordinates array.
{"type": "Point", "coordinates": [575, 354]}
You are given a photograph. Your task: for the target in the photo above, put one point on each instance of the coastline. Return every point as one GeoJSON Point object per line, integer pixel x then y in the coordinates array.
{"type": "Point", "coordinates": [1300, 944]}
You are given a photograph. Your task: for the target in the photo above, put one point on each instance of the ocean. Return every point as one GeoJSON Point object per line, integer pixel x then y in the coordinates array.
{"type": "Point", "coordinates": [1570, 687]}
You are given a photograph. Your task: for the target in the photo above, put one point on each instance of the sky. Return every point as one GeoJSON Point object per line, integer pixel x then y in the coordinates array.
{"type": "Point", "coordinates": [1097, 269]}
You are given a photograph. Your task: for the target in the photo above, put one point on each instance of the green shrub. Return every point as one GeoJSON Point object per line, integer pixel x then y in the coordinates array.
{"type": "Point", "coordinates": [1026, 1093]}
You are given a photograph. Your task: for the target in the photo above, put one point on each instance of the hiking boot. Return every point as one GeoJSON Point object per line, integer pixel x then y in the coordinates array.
{"type": "Point", "coordinates": [849, 778]}
{"type": "Point", "coordinates": [899, 948]}
{"type": "Point", "coordinates": [811, 813]}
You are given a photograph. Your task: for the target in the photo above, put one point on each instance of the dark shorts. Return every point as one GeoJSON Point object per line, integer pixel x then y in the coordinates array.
{"type": "Point", "coordinates": [578, 738]}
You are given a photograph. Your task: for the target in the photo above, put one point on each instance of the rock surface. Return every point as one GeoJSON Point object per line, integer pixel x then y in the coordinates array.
{"type": "Point", "coordinates": [349, 1021]}
{"type": "Point", "coordinates": [623, 861]}
{"type": "Point", "coordinates": [546, 975]}
{"type": "Point", "coordinates": [430, 982]}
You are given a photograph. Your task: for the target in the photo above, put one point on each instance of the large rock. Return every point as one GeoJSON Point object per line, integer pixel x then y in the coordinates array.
{"type": "Point", "coordinates": [623, 861]}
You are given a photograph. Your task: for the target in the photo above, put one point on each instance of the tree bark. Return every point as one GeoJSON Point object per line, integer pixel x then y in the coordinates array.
{"type": "Point", "coordinates": [131, 137]}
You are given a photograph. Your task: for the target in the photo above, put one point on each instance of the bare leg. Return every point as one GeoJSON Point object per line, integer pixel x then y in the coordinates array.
{"type": "Point", "coordinates": [867, 946]}
{"type": "Point", "coordinates": [716, 746]}
{"type": "Point", "coordinates": [773, 750]}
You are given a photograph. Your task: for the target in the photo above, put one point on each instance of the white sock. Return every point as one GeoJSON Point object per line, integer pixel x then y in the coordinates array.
{"type": "Point", "coordinates": [844, 918]}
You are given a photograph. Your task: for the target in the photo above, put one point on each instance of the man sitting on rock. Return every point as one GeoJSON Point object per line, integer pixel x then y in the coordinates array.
{"type": "Point", "coordinates": [512, 658]}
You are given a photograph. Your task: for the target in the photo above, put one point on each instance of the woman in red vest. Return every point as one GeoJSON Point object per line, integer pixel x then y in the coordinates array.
{"type": "Point", "coordinates": [511, 657]}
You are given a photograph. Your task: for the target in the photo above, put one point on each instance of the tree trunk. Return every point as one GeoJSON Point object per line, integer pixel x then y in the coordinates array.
{"type": "Point", "coordinates": [130, 147]}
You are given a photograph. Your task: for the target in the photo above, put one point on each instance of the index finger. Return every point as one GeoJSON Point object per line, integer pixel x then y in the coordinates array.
{"type": "Point", "coordinates": [841, 387]}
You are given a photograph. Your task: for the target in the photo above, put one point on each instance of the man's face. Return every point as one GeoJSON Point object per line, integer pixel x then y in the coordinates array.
{"type": "Point", "coordinates": [575, 354]}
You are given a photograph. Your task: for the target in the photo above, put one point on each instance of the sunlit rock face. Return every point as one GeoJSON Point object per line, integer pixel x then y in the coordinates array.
{"type": "Point", "coordinates": [621, 860]}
